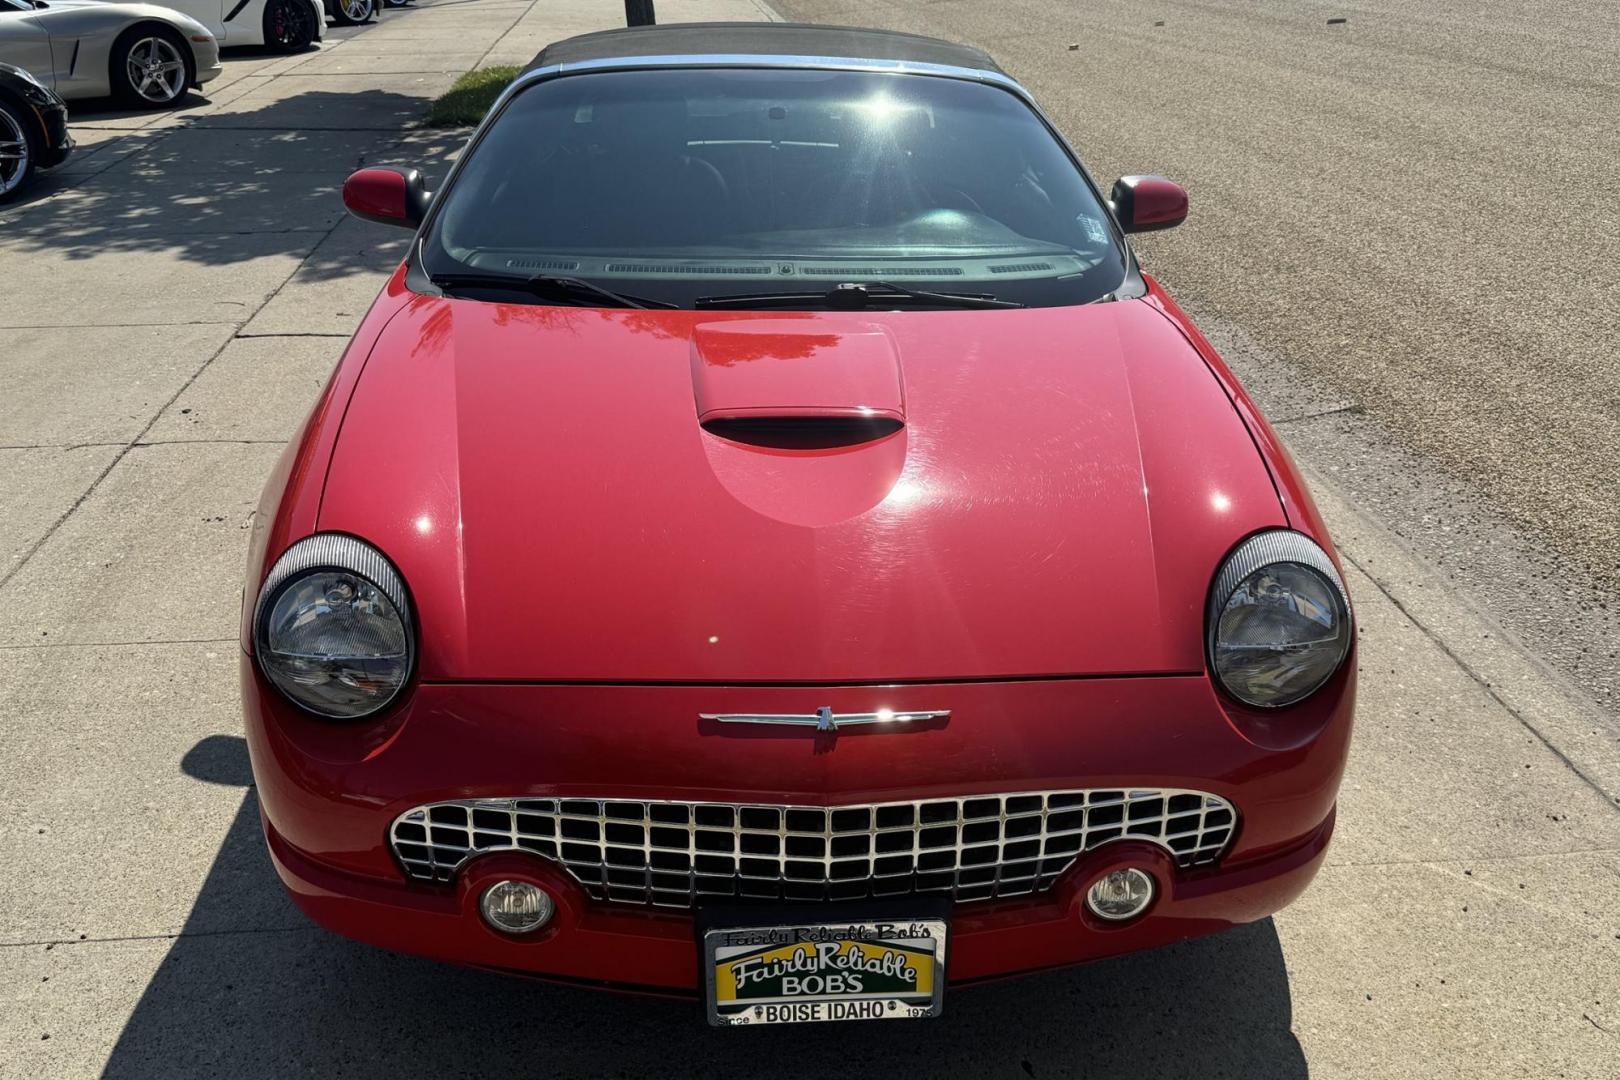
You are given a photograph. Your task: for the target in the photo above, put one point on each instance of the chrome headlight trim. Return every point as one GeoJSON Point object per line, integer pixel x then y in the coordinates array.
{"type": "Point", "coordinates": [1263, 549]}
{"type": "Point", "coordinates": [334, 552]}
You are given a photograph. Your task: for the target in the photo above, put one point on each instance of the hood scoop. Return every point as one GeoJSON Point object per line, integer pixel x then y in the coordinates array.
{"type": "Point", "coordinates": [771, 383]}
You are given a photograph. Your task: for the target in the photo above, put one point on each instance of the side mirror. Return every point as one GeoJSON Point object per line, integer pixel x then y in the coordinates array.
{"type": "Point", "coordinates": [1146, 203]}
{"type": "Point", "coordinates": [387, 196]}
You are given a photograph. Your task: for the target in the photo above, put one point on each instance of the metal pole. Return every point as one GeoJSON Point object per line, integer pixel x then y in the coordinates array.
{"type": "Point", "coordinates": [639, 13]}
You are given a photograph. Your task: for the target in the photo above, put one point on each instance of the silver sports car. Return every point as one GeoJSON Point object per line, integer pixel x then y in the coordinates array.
{"type": "Point", "coordinates": [146, 55]}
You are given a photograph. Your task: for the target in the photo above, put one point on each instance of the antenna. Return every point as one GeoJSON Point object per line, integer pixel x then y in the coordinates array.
{"type": "Point", "coordinates": [639, 13]}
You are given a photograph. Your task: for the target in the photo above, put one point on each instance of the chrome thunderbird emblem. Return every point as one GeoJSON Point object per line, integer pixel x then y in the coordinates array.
{"type": "Point", "coordinates": [824, 719]}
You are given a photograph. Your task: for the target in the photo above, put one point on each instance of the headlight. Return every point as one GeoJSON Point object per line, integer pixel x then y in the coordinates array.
{"type": "Point", "coordinates": [333, 627]}
{"type": "Point", "coordinates": [35, 91]}
{"type": "Point", "coordinates": [1279, 620]}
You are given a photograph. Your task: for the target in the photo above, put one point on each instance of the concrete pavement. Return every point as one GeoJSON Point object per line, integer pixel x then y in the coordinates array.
{"type": "Point", "coordinates": [173, 303]}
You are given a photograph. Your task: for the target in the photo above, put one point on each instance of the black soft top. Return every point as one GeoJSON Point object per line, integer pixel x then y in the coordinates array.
{"type": "Point", "coordinates": [761, 39]}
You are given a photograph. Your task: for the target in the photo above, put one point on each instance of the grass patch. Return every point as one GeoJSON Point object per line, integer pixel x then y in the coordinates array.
{"type": "Point", "coordinates": [465, 103]}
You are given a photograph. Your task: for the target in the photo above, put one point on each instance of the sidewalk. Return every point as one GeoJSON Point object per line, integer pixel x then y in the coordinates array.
{"type": "Point", "coordinates": [172, 303]}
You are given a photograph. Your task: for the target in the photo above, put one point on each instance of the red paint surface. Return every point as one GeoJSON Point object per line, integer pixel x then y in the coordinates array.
{"type": "Point", "coordinates": [376, 193]}
{"type": "Point", "coordinates": [633, 949]}
{"type": "Point", "coordinates": [1031, 550]}
{"type": "Point", "coordinates": [1064, 487]}
{"type": "Point", "coordinates": [1158, 203]}
{"type": "Point", "coordinates": [747, 369]}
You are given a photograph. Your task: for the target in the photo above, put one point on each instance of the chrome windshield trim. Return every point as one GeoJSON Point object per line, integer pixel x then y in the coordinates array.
{"type": "Point", "coordinates": [774, 60]}
{"type": "Point", "coordinates": [762, 60]}
{"type": "Point", "coordinates": [824, 719]}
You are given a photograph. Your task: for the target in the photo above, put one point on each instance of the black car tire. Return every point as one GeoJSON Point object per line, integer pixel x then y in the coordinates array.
{"type": "Point", "coordinates": [351, 12]}
{"type": "Point", "coordinates": [144, 37]}
{"type": "Point", "coordinates": [18, 119]}
{"type": "Point", "coordinates": [289, 26]}
{"type": "Point", "coordinates": [396, 3]}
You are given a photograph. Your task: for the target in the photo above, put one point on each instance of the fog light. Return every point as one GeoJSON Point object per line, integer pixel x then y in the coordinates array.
{"type": "Point", "coordinates": [516, 907]}
{"type": "Point", "coordinates": [1123, 894]}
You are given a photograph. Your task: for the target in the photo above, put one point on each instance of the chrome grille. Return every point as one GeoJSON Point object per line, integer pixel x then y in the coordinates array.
{"type": "Point", "coordinates": [672, 853]}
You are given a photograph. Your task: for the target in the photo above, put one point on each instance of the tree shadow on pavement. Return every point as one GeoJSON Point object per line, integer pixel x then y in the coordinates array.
{"type": "Point", "coordinates": [249, 990]}
{"type": "Point", "coordinates": [232, 185]}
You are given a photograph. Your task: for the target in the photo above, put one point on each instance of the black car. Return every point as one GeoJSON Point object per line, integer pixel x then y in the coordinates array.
{"type": "Point", "coordinates": [33, 129]}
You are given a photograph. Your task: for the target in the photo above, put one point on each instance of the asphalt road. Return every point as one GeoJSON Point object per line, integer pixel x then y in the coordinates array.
{"type": "Point", "coordinates": [1405, 235]}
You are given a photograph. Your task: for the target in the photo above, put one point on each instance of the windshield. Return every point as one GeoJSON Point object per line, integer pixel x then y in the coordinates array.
{"type": "Point", "coordinates": [688, 184]}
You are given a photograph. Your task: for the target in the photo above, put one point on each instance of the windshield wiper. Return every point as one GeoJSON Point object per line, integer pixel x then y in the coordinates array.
{"type": "Point", "coordinates": [851, 295]}
{"type": "Point", "coordinates": [545, 286]}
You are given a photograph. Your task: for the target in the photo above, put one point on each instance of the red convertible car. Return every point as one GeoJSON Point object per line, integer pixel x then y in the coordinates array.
{"type": "Point", "coordinates": [770, 542]}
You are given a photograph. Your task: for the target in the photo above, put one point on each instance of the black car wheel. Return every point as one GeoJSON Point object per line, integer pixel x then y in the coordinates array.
{"type": "Point", "coordinates": [19, 148]}
{"type": "Point", "coordinates": [351, 12]}
{"type": "Point", "coordinates": [289, 25]}
{"type": "Point", "coordinates": [396, 3]}
{"type": "Point", "coordinates": [151, 67]}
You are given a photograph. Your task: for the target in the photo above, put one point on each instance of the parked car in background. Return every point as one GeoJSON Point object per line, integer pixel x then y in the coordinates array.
{"type": "Point", "coordinates": [281, 25]}
{"type": "Point", "coordinates": [351, 12]}
{"type": "Point", "coordinates": [33, 129]}
{"type": "Point", "coordinates": [145, 55]}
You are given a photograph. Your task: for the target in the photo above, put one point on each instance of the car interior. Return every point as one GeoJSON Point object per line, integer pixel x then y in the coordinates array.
{"type": "Point", "coordinates": [822, 172]}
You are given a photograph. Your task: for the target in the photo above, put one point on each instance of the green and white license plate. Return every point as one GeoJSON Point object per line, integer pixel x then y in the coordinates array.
{"type": "Point", "coordinates": [832, 971]}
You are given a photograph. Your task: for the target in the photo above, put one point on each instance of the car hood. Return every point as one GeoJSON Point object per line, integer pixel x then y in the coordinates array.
{"type": "Point", "coordinates": [109, 5]}
{"type": "Point", "coordinates": [1052, 495]}
{"type": "Point", "coordinates": [83, 14]}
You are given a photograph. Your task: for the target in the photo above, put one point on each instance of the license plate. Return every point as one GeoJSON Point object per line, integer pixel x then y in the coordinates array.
{"type": "Point", "coordinates": [833, 971]}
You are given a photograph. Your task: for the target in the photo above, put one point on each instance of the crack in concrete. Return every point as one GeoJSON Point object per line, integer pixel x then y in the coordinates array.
{"type": "Point", "coordinates": [524, 14]}
{"type": "Point", "coordinates": [152, 442]}
{"type": "Point", "coordinates": [1468, 861]}
{"type": "Point", "coordinates": [401, 71]}
{"type": "Point", "coordinates": [120, 326]}
{"type": "Point", "coordinates": [1522, 894]}
{"type": "Point", "coordinates": [212, 442]}
{"type": "Point", "coordinates": [58, 446]}
{"type": "Point", "coordinates": [309, 333]}
{"type": "Point", "coordinates": [51, 943]}
{"type": "Point", "coordinates": [117, 644]}
{"type": "Point", "coordinates": [1352, 410]}
{"type": "Point", "coordinates": [1483, 683]}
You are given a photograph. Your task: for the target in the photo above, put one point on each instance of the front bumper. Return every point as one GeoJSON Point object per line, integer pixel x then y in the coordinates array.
{"type": "Point", "coordinates": [208, 64]}
{"type": "Point", "coordinates": [646, 950]}
{"type": "Point", "coordinates": [205, 60]}
{"type": "Point", "coordinates": [58, 142]}
{"type": "Point", "coordinates": [329, 794]}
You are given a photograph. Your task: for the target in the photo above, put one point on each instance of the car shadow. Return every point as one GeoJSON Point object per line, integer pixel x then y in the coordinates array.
{"type": "Point", "coordinates": [100, 110]}
{"type": "Point", "coordinates": [250, 990]}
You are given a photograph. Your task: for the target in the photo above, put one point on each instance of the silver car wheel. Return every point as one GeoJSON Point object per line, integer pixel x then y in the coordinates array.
{"type": "Point", "coordinates": [156, 70]}
{"type": "Point", "coordinates": [358, 10]}
{"type": "Point", "coordinates": [13, 153]}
